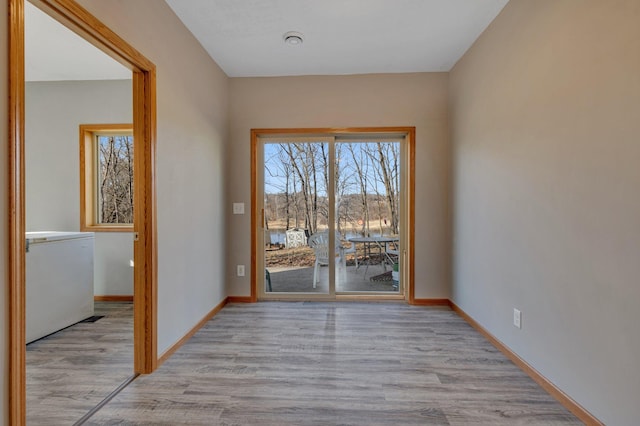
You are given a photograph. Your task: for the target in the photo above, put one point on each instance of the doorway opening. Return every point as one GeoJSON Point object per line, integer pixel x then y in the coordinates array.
{"type": "Point", "coordinates": [332, 215]}
{"type": "Point", "coordinates": [76, 18]}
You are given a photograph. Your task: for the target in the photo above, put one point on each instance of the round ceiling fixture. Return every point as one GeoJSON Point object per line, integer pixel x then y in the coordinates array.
{"type": "Point", "coordinates": [293, 38]}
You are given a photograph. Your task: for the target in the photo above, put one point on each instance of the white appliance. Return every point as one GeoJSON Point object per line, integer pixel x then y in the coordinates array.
{"type": "Point", "coordinates": [59, 281]}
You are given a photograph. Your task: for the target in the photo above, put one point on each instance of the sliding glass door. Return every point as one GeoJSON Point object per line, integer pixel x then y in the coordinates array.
{"type": "Point", "coordinates": [367, 215]}
{"type": "Point", "coordinates": [330, 219]}
{"type": "Point", "coordinates": [295, 213]}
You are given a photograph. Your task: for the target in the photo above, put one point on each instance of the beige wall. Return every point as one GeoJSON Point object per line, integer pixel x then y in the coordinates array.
{"type": "Point", "coordinates": [545, 119]}
{"type": "Point", "coordinates": [4, 218]}
{"type": "Point", "coordinates": [418, 100]}
{"type": "Point", "coordinates": [192, 101]}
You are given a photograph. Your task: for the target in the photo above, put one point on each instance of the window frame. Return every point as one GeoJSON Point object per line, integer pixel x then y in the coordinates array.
{"type": "Point", "coordinates": [407, 213]}
{"type": "Point", "coordinates": [88, 177]}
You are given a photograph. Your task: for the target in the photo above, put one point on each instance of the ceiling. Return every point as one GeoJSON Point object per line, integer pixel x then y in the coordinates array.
{"type": "Point", "coordinates": [55, 53]}
{"type": "Point", "coordinates": [245, 37]}
{"type": "Point", "coordinates": [340, 36]}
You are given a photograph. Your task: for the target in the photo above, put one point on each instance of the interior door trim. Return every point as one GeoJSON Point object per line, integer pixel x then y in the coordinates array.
{"type": "Point", "coordinates": [410, 135]}
{"type": "Point", "coordinates": [79, 20]}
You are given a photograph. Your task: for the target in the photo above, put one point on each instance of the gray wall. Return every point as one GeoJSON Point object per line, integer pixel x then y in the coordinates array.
{"type": "Point", "coordinates": [54, 110]}
{"type": "Point", "coordinates": [192, 133]}
{"type": "Point", "coordinates": [192, 102]}
{"type": "Point", "coordinates": [545, 119]}
{"type": "Point", "coordinates": [418, 100]}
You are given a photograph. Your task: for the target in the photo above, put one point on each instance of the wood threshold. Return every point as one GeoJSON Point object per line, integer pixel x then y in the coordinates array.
{"type": "Point", "coordinates": [564, 399]}
{"type": "Point", "coordinates": [346, 297]}
{"type": "Point", "coordinates": [297, 297]}
{"type": "Point", "coordinates": [309, 297]}
{"type": "Point", "coordinates": [167, 354]}
{"type": "Point", "coordinates": [113, 298]}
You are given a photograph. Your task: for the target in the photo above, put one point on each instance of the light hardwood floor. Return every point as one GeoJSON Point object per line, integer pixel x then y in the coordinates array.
{"type": "Point", "coordinates": [71, 371]}
{"type": "Point", "coordinates": [335, 364]}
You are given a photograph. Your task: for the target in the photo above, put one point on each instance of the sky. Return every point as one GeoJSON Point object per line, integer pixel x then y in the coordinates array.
{"type": "Point", "coordinates": [352, 160]}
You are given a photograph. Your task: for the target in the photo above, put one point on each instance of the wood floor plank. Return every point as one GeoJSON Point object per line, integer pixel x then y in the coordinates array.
{"type": "Point", "coordinates": [71, 371]}
{"type": "Point", "coordinates": [281, 363]}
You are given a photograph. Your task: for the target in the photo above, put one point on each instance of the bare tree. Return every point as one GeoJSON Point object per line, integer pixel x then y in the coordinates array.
{"type": "Point", "coordinates": [361, 167]}
{"type": "Point", "coordinates": [300, 167]}
{"type": "Point", "coordinates": [287, 169]}
{"type": "Point", "coordinates": [386, 156]}
{"type": "Point", "coordinates": [366, 185]}
{"type": "Point", "coordinates": [116, 178]}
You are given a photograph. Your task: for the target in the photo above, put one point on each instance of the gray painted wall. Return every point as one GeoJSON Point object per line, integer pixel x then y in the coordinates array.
{"type": "Point", "coordinates": [192, 134]}
{"type": "Point", "coordinates": [54, 110]}
{"type": "Point", "coordinates": [192, 102]}
{"type": "Point", "coordinates": [545, 113]}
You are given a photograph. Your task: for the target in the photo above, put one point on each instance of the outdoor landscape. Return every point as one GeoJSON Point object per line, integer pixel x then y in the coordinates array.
{"type": "Point", "coordinates": [367, 191]}
{"type": "Point", "coordinates": [115, 178]}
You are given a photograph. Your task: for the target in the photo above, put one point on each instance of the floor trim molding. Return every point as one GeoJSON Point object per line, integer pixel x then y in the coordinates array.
{"type": "Point", "coordinates": [564, 399]}
{"type": "Point", "coordinates": [167, 354]}
{"type": "Point", "coordinates": [113, 298]}
{"type": "Point", "coordinates": [431, 302]}
{"type": "Point", "coordinates": [240, 299]}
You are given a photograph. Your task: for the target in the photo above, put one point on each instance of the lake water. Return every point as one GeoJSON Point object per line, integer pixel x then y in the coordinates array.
{"type": "Point", "coordinates": [279, 237]}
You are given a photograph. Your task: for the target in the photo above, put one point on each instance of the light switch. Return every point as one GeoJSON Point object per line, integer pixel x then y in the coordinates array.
{"type": "Point", "coordinates": [238, 208]}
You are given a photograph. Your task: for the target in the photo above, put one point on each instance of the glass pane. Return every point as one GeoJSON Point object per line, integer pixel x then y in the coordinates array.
{"type": "Point", "coordinates": [367, 194]}
{"type": "Point", "coordinates": [115, 179]}
{"type": "Point", "coordinates": [296, 217]}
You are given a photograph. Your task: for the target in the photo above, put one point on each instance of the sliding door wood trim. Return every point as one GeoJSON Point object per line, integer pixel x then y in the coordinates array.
{"type": "Point", "coordinates": [254, 218]}
{"type": "Point", "coordinates": [409, 133]}
{"type": "Point", "coordinates": [410, 256]}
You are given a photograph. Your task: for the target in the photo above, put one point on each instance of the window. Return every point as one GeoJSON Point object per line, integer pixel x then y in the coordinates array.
{"type": "Point", "coordinates": [106, 177]}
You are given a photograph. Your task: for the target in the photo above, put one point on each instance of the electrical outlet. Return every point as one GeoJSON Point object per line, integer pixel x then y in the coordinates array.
{"type": "Point", "coordinates": [517, 316]}
{"type": "Point", "coordinates": [240, 270]}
